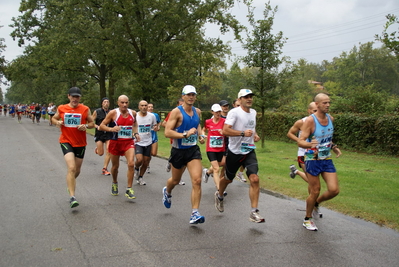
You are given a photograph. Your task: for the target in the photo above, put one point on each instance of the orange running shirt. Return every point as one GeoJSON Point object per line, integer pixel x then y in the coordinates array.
{"type": "Point", "coordinates": [72, 117]}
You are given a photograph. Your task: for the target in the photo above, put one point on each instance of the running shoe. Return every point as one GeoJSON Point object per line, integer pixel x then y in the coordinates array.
{"type": "Point", "coordinates": [182, 182]}
{"type": "Point", "coordinates": [168, 167]}
{"type": "Point", "coordinates": [196, 218]}
{"type": "Point", "coordinates": [136, 174]}
{"type": "Point", "coordinates": [255, 217]}
{"type": "Point", "coordinates": [148, 169]}
{"type": "Point", "coordinates": [224, 193]}
{"type": "Point", "coordinates": [114, 189]}
{"type": "Point", "coordinates": [140, 181]}
{"type": "Point", "coordinates": [310, 225]}
{"type": "Point", "coordinates": [166, 199]}
{"type": "Point", "coordinates": [317, 213]}
{"type": "Point", "coordinates": [130, 193]}
{"type": "Point", "coordinates": [205, 175]}
{"type": "Point", "coordinates": [240, 177]}
{"type": "Point", "coordinates": [73, 202]}
{"type": "Point", "coordinates": [106, 172]}
{"type": "Point", "coordinates": [218, 203]}
{"type": "Point", "coordinates": [292, 171]}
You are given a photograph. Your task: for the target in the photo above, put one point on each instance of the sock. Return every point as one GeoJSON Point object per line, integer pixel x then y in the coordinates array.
{"type": "Point", "coordinates": [140, 177]}
{"type": "Point", "coordinates": [194, 211]}
{"type": "Point", "coordinates": [136, 169]}
{"type": "Point", "coordinates": [308, 218]}
{"type": "Point", "coordinates": [316, 204]}
{"type": "Point", "coordinates": [254, 209]}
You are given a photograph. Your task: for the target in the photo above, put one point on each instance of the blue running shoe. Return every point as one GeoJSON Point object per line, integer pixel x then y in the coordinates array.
{"type": "Point", "coordinates": [73, 202]}
{"type": "Point", "coordinates": [166, 199]}
{"type": "Point", "coordinates": [196, 218]}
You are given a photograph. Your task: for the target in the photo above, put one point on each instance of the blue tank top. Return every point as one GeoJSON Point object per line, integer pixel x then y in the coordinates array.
{"type": "Point", "coordinates": [187, 123]}
{"type": "Point", "coordinates": [324, 135]}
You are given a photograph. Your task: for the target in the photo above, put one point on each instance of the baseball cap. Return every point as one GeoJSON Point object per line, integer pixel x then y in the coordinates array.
{"type": "Point", "coordinates": [223, 103]}
{"type": "Point", "coordinates": [216, 108]}
{"type": "Point", "coordinates": [244, 92]}
{"type": "Point", "coordinates": [188, 89]}
{"type": "Point", "coordinates": [74, 91]}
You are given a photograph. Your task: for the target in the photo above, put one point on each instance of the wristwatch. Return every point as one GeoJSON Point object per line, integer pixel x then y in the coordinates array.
{"type": "Point", "coordinates": [185, 134]}
{"type": "Point", "coordinates": [242, 133]}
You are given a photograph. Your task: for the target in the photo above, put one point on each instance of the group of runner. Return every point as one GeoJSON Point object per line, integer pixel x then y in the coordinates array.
{"type": "Point", "coordinates": [33, 111]}
{"type": "Point", "coordinates": [230, 146]}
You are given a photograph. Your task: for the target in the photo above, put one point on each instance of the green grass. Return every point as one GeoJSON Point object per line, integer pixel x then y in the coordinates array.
{"type": "Point", "coordinates": [369, 184]}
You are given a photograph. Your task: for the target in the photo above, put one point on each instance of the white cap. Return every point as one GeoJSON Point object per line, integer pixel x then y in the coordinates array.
{"type": "Point", "coordinates": [244, 92]}
{"type": "Point", "coordinates": [216, 108]}
{"type": "Point", "coordinates": [188, 89]}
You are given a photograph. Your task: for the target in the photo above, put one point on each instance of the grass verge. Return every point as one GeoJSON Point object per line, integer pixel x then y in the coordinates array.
{"type": "Point", "coordinates": [369, 184]}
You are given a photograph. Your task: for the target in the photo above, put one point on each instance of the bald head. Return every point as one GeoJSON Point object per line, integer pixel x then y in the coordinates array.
{"type": "Point", "coordinates": [312, 108]}
{"type": "Point", "coordinates": [320, 97]}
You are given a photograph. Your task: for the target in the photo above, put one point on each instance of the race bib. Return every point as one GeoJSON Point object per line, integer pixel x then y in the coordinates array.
{"type": "Point", "coordinates": [246, 147]}
{"type": "Point", "coordinates": [145, 129]}
{"type": "Point", "coordinates": [324, 152]}
{"type": "Point", "coordinates": [190, 141]}
{"type": "Point", "coordinates": [216, 141]}
{"type": "Point", "coordinates": [125, 132]}
{"type": "Point", "coordinates": [72, 119]}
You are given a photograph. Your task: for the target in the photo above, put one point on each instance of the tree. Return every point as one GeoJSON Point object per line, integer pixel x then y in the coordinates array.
{"type": "Point", "coordinates": [2, 66]}
{"type": "Point", "coordinates": [264, 50]}
{"type": "Point", "coordinates": [105, 39]}
{"type": "Point", "coordinates": [391, 40]}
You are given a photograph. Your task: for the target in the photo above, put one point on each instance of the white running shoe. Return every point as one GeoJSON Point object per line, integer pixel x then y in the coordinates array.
{"type": "Point", "coordinates": [240, 177]}
{"type": "Point", "coordinates": [148, 169]}
{"type": "Point", "coordinates": [292, 171]}
{"type": "Point", "coordinates": [205, 175]}
{"type": "Point", "coordinates": [182, 182]}
{"type": "Point", "coordinates": [168, 167]}
{"type": "Point", "coordinates": [140, 181]}
{"type": "Point", "coordinates": [136, 174]}
{"type": "Point", "coordinates": [310, 225]}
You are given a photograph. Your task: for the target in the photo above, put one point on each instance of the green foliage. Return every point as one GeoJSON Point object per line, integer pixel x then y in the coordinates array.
{"type": "Point", "coordinates": [391, 40]}
{"type": "Point", "coordinates": [371, 134]}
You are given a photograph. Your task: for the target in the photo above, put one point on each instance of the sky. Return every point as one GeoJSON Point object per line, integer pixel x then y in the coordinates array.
{"type": "Point", "coordinates": [317, 30]}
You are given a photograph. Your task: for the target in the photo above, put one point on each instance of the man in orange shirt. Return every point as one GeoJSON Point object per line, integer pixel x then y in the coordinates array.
{"type": "Point", "coordinates": [73, 119]}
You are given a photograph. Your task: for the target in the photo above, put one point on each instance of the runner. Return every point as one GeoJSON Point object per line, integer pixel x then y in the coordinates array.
{"type": "Point", "coordinates": [146, 121]}
{"type": "Point", "coordinates": [51, 111]}
{"type": "Point", "coordinates": [294, 133]}
{"type": "Point", "coordinates": [183, 126]}
{"type": "Point", "coordinates": [37, 113]}
{"type": "Point", "coordinates": [73, 119]}
{"type": "Point", "coordinates": [240, 126]}
{"type": "Point", "coordinates": [124, 128]}
{"type": "Point", "coordinates": [154, 134]}
{"type": "Point", "coordinates": [20, 110]}
{"type": "Point", "coordinates": [102, 137]}
{"type": "Point", "coordinates": [12, 111]}
{"type": "Point", "coordinates": [44, 110]}
{"type": "Point", "coordinates": [5, 108]}
{"type": "Point", "coordinates": [240, 174]}
{"type": "Point", "coordinates": [215, 145]}
{"type": "Point", "coordinates": [316, 137]}
{"type": "Point", "coordinates": [180, 102]}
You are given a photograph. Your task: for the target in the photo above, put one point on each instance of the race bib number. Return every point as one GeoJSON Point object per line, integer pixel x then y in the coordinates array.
{"type": "Point", "coordinates": [125, 132]}
{"type": "Point", "coordinates": [324, 152]}
{"type": "Point", "coordinates": [246, 147]}
{"type": "Point", "coordinates": [72, 119]}
{"type": "Point", "coordinates": [216, 141]}
{"type": "Point", "coordinates": [190, 141]}
{"type": "Point", "coordinates": [145, 129]}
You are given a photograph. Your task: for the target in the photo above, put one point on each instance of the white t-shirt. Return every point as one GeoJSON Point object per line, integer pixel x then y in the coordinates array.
{"type": "Point", "coordinates": [241, 121]}
{"type": "Point", "coordinates": [145, 125]}
{"type": "Point", "coordinates": [301, 150]}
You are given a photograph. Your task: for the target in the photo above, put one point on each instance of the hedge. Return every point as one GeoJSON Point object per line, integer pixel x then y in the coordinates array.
{"type": "Point", "coordinates": [355, 132]}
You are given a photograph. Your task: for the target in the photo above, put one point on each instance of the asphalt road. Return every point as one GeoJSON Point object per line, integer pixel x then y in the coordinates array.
{"type": "Point", "coordinates": [38, 228]}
